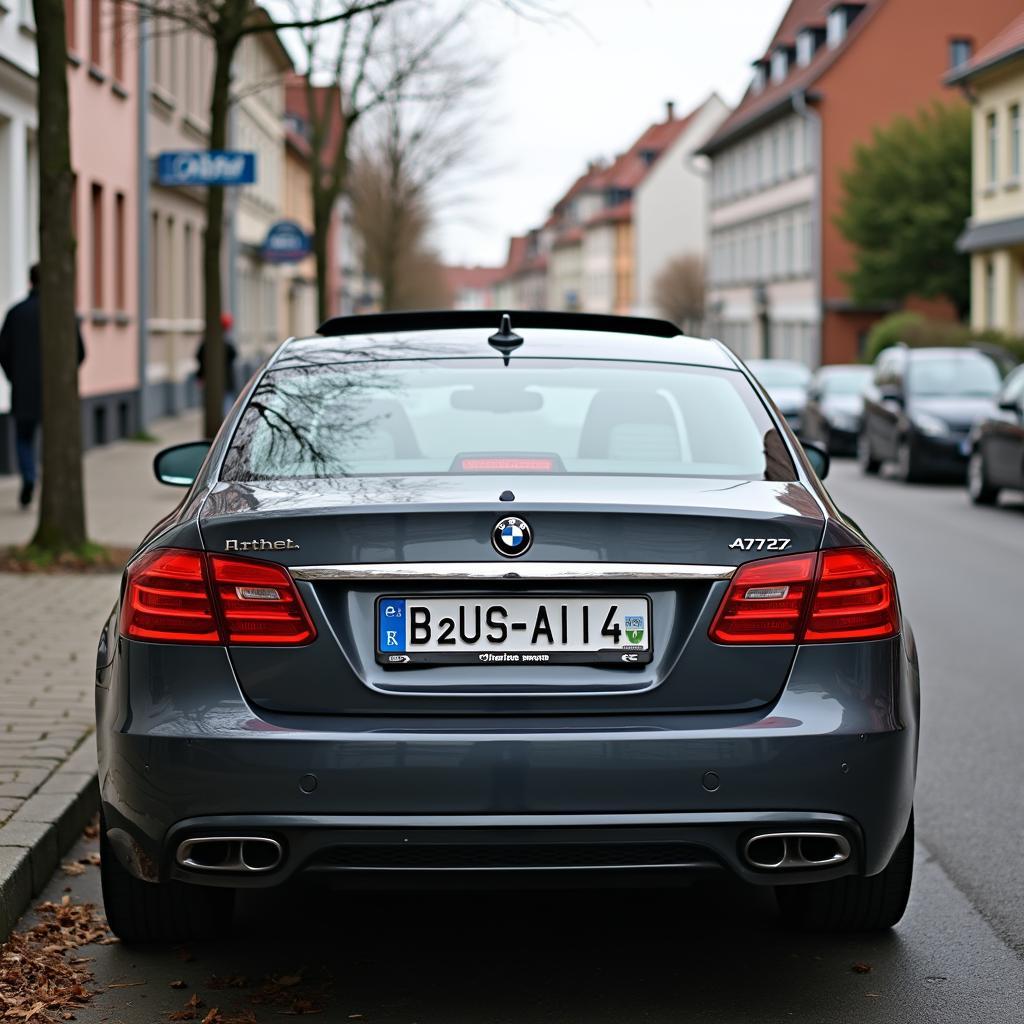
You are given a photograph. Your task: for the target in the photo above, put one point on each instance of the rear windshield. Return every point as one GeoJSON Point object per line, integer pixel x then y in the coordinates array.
{"type": "Point", "coordinates": [445, 416]}
{"type": "Point", "coordinates": [845, 382]}
{"type": "Point", "coordinates": [953, 375]}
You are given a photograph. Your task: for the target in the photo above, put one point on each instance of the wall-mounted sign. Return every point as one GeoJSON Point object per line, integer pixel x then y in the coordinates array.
{"type": "Point", "coordinates": [206, 167]}
{"type": "Point", "coordinates": [286, 242]}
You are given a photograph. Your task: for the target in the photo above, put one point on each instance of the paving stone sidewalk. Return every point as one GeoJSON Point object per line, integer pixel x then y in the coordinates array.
{"type": "Point", "coordinates": [49, 626]}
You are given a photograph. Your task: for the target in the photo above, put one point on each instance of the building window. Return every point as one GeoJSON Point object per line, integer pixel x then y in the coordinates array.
{"type": "Point", "coordinates": [117, 40]}
{"type": "Point", "coordinates": [69, 23]}
{"type": "Point", "coordinates": [990, 293]}
{"type": "Point", "coordinates": [835, 27]}
{"type": "Point", "coordinates": [96, 208]}
{"type": "Point", "coordinates": [189, 270]}
{"type": "Point", "coordinates": [155, 277]}
{"type": "Point", "coordinates": [759, 78]}
{"type": "Point", "coordinates": [991, 148]}
{"type": "Point", "coordinates": [807, 43]}
{"type": "Point", "coordinates": [959, 52]}
{"type": "Point", "coordinates": [1015, 154]}
{"type": "Point", "coordinates": [780, 65]}
{"type": "Point", "coordinates": [120, 269]}
{"type": "Point", "coordinates": [96, 32]}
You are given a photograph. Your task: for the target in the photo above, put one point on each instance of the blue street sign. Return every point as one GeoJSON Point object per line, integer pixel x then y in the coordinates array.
{"type": "Point", "coordinates": [206, 167]}
{"type": "Point", "coordinates": [286, 242]}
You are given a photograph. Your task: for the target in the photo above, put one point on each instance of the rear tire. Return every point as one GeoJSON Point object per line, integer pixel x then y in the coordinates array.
{"type": "Point", "coordinates": [143, 912]}
{"type": "Point", "coordinates": [978, 487]}
{"type": "Point", "coordinates": [866, 456]}
{"type": "Point", "coordinates": [854, 903]}
{"type": "Point", "coordinates": [907, 466]}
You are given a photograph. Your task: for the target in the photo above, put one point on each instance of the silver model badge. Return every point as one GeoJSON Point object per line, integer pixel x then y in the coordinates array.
{"type": "Point", "coordinates": [511, 536]}
{"type": "Point", "coordinates": [261, 544]}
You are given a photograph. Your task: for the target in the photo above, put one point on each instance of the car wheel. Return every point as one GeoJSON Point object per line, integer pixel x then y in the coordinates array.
{"type": "Point", "coordinates": [866, 456]}
{"type": "Point", "coordinates": [978, 487]}
{"type": "Point", "coordinates": [143, 912]}
{"type": "Point", "coordinates": [907, 468]}
{"type": "Point", "coordinates": [855, 903]}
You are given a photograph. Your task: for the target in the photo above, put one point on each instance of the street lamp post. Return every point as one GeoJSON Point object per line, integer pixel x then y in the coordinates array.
{"type": "Point", "coordinates": [763, 307]}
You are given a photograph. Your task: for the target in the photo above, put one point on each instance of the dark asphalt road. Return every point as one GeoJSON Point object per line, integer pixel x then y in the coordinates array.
{"type": "Point", "coordinates": [713, 955]}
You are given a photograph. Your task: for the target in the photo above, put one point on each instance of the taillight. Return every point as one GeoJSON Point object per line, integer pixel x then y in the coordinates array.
{"type": "Point", "coordinates": [178, 596]}
{"type": "Point", "coordinates": [259, 603]}
{"type": "Point", "coordinates": [835, 595]}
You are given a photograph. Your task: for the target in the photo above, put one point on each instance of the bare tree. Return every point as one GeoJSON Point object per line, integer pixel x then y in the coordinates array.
{"type": "Point", "coordinates": [679, 291]}
{"type": "Point", "coordinates": [422, 131]}
{"type": "Point", "coordinates": [227, 23]}
{"type": "Point", "coordinates": [61, 507]}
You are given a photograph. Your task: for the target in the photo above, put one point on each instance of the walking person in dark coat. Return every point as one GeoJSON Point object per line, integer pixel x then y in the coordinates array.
{"type": "Point", "coordinates": [227, 324]}
{"type": "Point", "coordinates": [22, 363]}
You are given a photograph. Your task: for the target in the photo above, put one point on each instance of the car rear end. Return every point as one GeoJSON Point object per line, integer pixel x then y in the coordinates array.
{"type": "Point", "coordinates": [573, 617]}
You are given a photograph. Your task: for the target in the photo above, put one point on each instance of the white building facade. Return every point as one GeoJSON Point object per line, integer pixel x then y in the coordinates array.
{"type": "Point", "coordinates": [761, 266]}
{"type": "Point", "coordinates": [19, 177]}
{"type": "Point", "coordinates": [670, 206]}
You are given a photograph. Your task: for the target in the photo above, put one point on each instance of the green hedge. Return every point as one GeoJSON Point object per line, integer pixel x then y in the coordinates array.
{"type": "Point", "coordinates": [914, 330]}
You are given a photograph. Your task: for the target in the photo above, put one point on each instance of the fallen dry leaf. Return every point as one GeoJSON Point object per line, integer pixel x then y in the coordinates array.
{"type": "Point", "coordinates": [861, 968]}
{"type": "Point", "coordinates": [288, 980]}
{"type": "Point", "coordinates": [71, 868]}
{"type": "Point", "coordinates": [178, 984]}
{"type": "Point", "coordinates": [213, 1017]}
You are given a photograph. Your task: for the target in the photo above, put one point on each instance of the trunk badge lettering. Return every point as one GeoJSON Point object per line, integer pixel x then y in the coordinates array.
{"type": "Point", "coordinates": [261, 544]}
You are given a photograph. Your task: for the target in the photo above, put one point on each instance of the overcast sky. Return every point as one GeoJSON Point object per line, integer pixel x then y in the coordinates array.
{"type": "Point", "coordinates": [573, 89]}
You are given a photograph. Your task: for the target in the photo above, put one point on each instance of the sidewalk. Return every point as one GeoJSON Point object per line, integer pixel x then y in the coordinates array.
{"type": "Point", "coordinates": [49, 626]}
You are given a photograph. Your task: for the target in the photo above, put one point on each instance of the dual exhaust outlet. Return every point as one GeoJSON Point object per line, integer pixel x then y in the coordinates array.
{"type": "Point", "coordinates": [780, 851]}
{"type": "Point", "coordinates": [247, 854]}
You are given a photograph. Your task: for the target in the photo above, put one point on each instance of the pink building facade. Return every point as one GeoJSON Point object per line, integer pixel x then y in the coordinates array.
{"type": "Point", "coordinates": [102, 79]}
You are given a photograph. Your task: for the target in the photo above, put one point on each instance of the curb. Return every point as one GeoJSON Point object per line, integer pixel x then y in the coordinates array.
{"type": "Point", "coordinates": [43, 829]}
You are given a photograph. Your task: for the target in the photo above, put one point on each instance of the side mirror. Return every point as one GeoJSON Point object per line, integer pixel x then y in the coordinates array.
{"type": "Point", "coordinates": [1010, 405]}
{"type": "Point", "coordinates": [179, 465]}
{"type": "Point", "coordinates": [818, 456]}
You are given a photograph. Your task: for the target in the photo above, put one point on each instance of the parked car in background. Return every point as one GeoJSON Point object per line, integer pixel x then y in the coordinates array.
{"type": "Point", "coordinates": [920, 407]}
{"type": "Point", "coordinates": [996, 460]}
{"type": "Point", "coordinates": [835, 402]}
{"type": "Point", "coordinates": [787, 382]}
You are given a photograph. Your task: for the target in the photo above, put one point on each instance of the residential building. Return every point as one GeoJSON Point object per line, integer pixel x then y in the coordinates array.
{"type": "Point", "coordinates": [833, 72]}
{"type": "Point", "coordinates": [566, 225]}
{"type": "Point", "coordinates": [177, 118]}
{"type": "Point", "coordinates": [19, 181]}
{"type": "Point", "coordinates": [670, 206]}
{"type": "Point", "coordinates": [523, 281]}
{"type": "Point", "coordinates": [611, 241]}
{"type": "Point", "coordinates": [993, 80]}
{"type": "Point", "coordinates": [102, 89]}
{"type": "Point", "coordinates": [299, 276]}
{"type": "Point", "coordinates": [260, 308]}
{"type": "Point", "coordinates": [471, 287]}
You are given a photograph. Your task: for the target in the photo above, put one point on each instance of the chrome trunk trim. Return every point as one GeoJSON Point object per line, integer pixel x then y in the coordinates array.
{"type": "Point", "coordinates": [494, 571]}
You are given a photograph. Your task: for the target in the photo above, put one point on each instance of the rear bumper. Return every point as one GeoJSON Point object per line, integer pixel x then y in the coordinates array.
{"type": "Point", "coordinates": [940, 455]}
{"type": "Point", "coordinates": [183, 754]}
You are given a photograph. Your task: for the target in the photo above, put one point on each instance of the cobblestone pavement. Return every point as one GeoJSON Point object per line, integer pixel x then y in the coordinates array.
{"type": "Point", "coordinates": [49, 626]}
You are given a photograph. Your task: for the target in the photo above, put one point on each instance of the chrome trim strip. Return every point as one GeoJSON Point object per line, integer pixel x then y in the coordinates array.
{"type": "Point", "coordinates": [493, 571]}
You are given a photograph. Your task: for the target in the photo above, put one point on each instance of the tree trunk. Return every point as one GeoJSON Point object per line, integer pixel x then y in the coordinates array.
{"type": "Point", "coordinates": [62, 505]}
{"type": "Point", "coordinates": [321, 237]}
{"type": "Point", "coordinates": [213, 236]}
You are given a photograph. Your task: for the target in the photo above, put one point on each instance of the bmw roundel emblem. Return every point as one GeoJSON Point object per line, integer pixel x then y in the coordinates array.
{"type": "Point", "coordinates": [511, 536]}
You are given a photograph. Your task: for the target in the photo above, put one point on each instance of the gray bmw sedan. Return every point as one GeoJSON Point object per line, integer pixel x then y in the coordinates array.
{"type": "Point", "coordinates": [532, 598]}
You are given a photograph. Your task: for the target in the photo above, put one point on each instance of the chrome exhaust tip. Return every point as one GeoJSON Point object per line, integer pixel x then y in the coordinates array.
{"type": "Point", "coordinates": [249, 854]}
{"type": "Point", "coordinates": [772, 851]}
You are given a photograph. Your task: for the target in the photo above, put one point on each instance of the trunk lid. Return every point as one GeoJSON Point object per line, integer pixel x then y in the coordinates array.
{"type": "Point", "coordinates": [445, 521]}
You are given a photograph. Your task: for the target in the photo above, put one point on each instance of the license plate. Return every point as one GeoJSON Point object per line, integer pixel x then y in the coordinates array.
{"type": "Point", "coordinates": [513, 630]}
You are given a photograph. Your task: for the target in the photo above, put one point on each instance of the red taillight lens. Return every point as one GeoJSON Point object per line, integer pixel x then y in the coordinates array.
{"type": "Point", "coordinates": [766, 601]}
{"type": "Point", "coordinates": [841, 594]}
{"type": "Point", "coordinates": [854, 598]}
{"type": "Point", "coordinates": [168, 599]}
{"type": "Point", "coordinates": [259, 603]}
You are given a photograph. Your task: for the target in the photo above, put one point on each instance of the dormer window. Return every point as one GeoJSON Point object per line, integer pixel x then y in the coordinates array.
{"type": "Point", "coordinates": [780, 64]}
{"type": "Point", "coordinates": [648, 156]}
{"type": "Point", "coordinates": [807, 43]}
{"type": "Point", "coordinates": [760, 79]}
{"type": "Point", "coordinates": [840, 18]}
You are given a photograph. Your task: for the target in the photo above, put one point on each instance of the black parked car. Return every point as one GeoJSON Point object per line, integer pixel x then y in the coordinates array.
{"type": "Point", "coordinates": [997, 445]}
{"type": "Point", "coordinates": [920, 408]}
{"type": "Point", "coordinates": [786, 381]}
{"type": "Point", "coordinates": [835, 402]}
